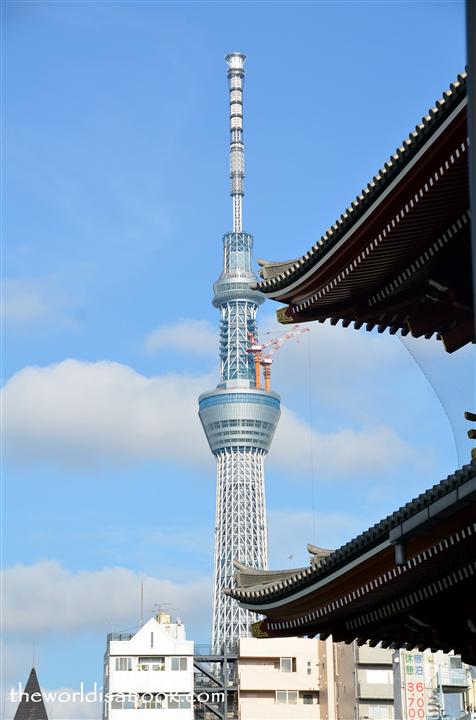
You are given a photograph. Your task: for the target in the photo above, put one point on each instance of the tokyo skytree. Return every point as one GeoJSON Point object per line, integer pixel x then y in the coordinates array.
{"type": "Point", "coordinates": [238, 417]}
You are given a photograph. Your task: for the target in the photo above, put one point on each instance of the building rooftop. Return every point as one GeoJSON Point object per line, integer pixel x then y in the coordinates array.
{"type": "Point", "coordinates": [28, 708]}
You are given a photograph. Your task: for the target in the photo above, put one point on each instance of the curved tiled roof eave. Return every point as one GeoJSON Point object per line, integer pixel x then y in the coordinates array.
{"type": "Point", "coordinates": [365, 540]}
{"type": "Point", "coordinates": [294, 269]}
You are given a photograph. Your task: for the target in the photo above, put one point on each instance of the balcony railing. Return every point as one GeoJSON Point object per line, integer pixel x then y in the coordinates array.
{"type": "Point", "coordinates": [453, 678]}
{"type": "Point", "coordinates": [120, 636]}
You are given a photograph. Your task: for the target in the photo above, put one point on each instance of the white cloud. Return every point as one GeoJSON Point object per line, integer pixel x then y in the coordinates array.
{"type": "Point", "coordinates": [371, 450]}
{"type": "Point", "coordinates": [79, 413]}
{"type": "Point", "coordinates": [47, 598]}
{"type": "Point", "coordinates": [46, 603]}
{"type": "Point", "coordinates": [28, 301]}
{"type": "Point", "coordinates": [197, 337]}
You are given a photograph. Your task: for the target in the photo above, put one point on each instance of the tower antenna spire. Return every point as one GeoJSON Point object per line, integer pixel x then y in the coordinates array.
{"type": "Point", "coordinates": [236, 75]}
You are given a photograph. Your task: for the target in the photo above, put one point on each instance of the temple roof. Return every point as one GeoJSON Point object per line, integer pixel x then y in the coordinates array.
{"type": "Point", "coordinates": [399, 257]}
{"type": "Point", "coordinates": [270, 585]}
{"type": "Point", "coordinates": [278, 275]}
{"type": "Point", "coordinates": [393, 584]}
{"type": "Point", "coordinates": [30, 709]}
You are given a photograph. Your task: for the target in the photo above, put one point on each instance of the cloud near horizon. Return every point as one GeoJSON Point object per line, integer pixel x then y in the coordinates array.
{"type": "Point", "coordinates": [46, 597]}
{"type": "Point", "coordinates": [80, 414]}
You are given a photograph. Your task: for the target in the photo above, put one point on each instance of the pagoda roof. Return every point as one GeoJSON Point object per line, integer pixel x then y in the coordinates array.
{"type": "Point", "coordinates": [363, 591]}
{"type": "Point", "coordinates": [398, 256]}
{"type": "Point", "coordinates": [28, 708]}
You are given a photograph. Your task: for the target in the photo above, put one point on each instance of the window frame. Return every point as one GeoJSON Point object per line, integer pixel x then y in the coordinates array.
{"type": "Point", "coordinates": [182, 660]}
{"type": "Point", "coordinates": [291, 697]}
{"type": "Point", "coordinates": [282, 661]}
{"type": "Point", "coordinates": [127, 661]}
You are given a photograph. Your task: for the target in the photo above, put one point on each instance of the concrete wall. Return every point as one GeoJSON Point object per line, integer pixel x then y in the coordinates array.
{"type": "Point", "coordinates": [355, 694]}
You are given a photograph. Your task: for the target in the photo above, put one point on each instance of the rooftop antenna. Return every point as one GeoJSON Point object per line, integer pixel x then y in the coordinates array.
{"type": "Point", "coordinates": [141, 603]}
{"type": "Point", "coordinates": [159, 607]}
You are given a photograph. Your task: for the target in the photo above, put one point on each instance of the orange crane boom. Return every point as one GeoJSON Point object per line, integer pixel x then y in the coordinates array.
{"type": "Point", "coordinates": [256, 348]}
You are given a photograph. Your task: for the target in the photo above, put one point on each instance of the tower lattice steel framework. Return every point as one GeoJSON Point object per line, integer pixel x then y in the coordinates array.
{"type": "Point", "coordinates": [238, 418]}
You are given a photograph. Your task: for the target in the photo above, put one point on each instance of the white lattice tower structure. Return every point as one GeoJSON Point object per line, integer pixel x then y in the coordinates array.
{"type": "Point", "coordinates": [239, 419]}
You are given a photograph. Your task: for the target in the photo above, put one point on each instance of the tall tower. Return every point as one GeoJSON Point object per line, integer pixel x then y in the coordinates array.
{"type": "Point", "coordinates": [239, 419]}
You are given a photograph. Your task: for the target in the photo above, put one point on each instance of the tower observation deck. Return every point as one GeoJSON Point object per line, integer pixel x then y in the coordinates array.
{"type": "Point", "coordinates": [238, 418]}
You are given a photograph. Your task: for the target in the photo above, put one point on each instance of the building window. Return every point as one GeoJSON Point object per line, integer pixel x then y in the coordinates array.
{"type": "Point", "coordinates": [123, 701]}
{"type": "Point", "coordinates": [286, 664]}
{"type": "Point", "coordinates": [150, 701]}
{"type": "Point", "coordinates": [307, 699]}
{"type": "Point", "coordinates": [287, 696]}
{"type": "Point", "coordinates": [151, 663]}
{"type": "Point", "coordinates": [123, 663]}
{"type": "Point", "coordinates": [377, 712]}
{"type": "Point", "coordinates": [178, 663]}
{"type": "Point", "coordinates": [379, 677]}
{"type": "Point", "coordinates": [179, 702]}
{"type": "Point", "coordinates": [309, 668]}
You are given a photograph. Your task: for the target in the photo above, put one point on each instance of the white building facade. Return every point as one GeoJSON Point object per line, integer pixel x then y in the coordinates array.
{"type": "Point", "coordinates": [278, 679]}
{"type": "Point", "coordinates": [149, 675]}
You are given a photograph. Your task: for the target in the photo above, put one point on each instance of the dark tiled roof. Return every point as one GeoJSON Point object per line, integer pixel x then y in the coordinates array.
{"type": "Point", "coordinates": [362, 543]}
{"type": "Point", "coordinates": [28, 709]}
{"type": "Point", "coordinates": [285, 273]}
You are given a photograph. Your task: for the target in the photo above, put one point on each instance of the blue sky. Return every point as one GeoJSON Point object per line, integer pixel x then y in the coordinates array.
{"type": "Point", "coordinates": [115, 201]}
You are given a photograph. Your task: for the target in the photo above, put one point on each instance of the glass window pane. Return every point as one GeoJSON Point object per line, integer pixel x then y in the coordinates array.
{"type": "Point", "coordinates": [286, 665]}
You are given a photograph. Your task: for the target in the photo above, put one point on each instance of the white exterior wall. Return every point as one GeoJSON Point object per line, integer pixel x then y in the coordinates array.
{"type": "Point", "coordinates": [261, 677]}
{"type": "Point", "coordinates": [153, 640]}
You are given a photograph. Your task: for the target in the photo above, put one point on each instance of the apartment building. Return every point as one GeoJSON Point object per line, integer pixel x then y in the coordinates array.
{"type": "Point", "coordinates": [374, 683]}
{"type": "Point", "coordinates": [278, 679]}
{"type": "Point", "coordinates": [356, 682]}
{"type": "Point", "coordinates": [432, 685]}
{"type": "Point", "coordinates": [148, 671]}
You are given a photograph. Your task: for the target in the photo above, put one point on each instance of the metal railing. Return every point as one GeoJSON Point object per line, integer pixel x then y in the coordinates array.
{"type": "Point", "coordinates": [120, 636]}
{"type": "Point", "coordinates": [204, 650]}
{"type": "Point", "coordinates": [453, 677]}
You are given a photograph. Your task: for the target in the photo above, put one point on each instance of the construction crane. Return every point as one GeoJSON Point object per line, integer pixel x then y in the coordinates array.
{"type": "Point", "coordinates": [256, 349]}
